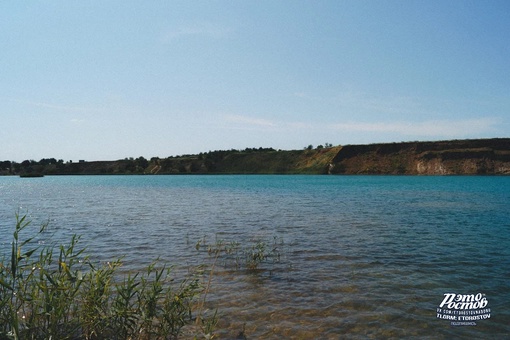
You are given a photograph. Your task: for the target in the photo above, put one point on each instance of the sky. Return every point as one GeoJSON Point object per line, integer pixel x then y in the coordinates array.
{"type": "Point", "coordinates": [106, 80]}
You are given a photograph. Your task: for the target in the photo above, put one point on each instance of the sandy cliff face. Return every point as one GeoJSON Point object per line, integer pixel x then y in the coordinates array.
{"type": "Point", "coordinates": [464, 167]}
{"type": "Point", "coordinates": [435, 167]}
{"type": "Point", "coordinates": [465, 157]}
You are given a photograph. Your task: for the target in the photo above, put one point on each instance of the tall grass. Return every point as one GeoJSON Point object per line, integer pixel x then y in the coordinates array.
{"type": "Point", "coordinates": [58, 293]}
{"type": "Point", "coordinates": [243, 257]}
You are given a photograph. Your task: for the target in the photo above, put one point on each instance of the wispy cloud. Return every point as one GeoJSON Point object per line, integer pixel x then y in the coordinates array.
{"type": "Point", "coordinates": [301, 95]}
{"type": "Point", "coordinates": [364, 103]}
{"type": "Point", "coordinates": [250, 121]}
{"type": "Point", "coordinates": [51, 106]}
{"type": "Point", "coordinates": [445, 128]}
{"type": "Point", "coordinates": [77, 121]}
{"type": "Point", "coordinates": [198, 29]}
{"type": "Point", "coordinates": [406, 116]}
{"type": "Point", "coordinates": [430, 128]}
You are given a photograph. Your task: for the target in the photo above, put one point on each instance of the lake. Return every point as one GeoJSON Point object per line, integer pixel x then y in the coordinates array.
{"type": "Point", "coordinates": [359, 256]}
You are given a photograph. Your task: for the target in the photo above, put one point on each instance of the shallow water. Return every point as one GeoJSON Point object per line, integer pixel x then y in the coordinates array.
{"type": "Point", "coordinates": [360, 256]}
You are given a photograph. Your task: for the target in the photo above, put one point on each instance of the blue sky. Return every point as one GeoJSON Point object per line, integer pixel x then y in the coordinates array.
{"type": "Point", "coordinates": [105, 80]}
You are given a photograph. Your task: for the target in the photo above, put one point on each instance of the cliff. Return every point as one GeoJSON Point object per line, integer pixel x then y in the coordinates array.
{"type": "Point", "coordinates": [456, 157]}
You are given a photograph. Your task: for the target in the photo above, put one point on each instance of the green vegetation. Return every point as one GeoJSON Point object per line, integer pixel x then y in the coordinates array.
{"type": "Point", "coordinates": [247, 161]}
{"type": "Point", "coordinates": [49, 292]}
{"type": "Point", "coordinates": [57, 293]}
{"type": "Point", "coordinates": [233, 255]}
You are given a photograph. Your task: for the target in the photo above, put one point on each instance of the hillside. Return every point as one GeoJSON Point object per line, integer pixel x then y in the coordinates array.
{"type": "Point", "coordinates": [251, 161]}
{"type": "Point", "coordinates": [456, 157]}
{"type": "Point", "coordinates": [248, 161]}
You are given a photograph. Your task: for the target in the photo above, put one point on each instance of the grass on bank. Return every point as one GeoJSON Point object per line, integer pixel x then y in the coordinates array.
{"type": "Point", "coordinates": [58, 293]}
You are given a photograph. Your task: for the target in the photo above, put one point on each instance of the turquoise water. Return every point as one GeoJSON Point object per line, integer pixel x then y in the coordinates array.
{"type": "Point", "coordinates": [361, 256]}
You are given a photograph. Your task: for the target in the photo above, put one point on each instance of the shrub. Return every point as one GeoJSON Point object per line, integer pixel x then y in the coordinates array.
{"type": "Point", "coordinates": [58, 293]}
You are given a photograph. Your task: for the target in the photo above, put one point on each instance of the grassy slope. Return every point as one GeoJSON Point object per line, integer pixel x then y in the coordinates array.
{"type": "Point", "coordinates": [242, 162]}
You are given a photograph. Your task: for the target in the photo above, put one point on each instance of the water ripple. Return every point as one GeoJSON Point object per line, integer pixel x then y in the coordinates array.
{"type": "Point", "coordinates": [361, 257]}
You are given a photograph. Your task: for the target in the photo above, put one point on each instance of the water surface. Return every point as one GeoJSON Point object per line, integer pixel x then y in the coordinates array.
{"type": "Point", "coordinates": [361, 256]}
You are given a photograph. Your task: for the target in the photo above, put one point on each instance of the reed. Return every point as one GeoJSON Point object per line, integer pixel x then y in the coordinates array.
{"type": "Point", "coordinates": [58, 293]}
{"type": "Point", "coordinates": [249, 258]}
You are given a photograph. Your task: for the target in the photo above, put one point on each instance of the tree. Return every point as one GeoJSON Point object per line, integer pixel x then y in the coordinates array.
{"type": "Point", "coordinates": [142, 162]}
{"type": "Point", "coordinates": [47, 161]}
{"type": "Point", "coordinates": [5, 165]}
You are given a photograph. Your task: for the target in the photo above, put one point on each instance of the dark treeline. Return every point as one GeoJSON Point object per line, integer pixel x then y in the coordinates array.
{"type": "Point", "coordinates": [52, 166]}
{"type": "Point", "coordinates": [140, 165]}
{"type": "Point", "coordinates": [28, 166]}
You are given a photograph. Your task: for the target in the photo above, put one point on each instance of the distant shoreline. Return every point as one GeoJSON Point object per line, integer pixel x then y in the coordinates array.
{"type": "Point", "coordinates": [454, 157]}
